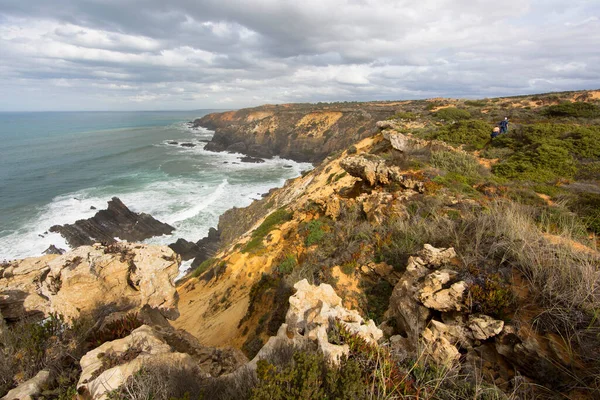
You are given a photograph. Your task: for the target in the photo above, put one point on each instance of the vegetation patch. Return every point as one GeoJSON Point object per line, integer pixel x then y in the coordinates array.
{"type": "Point", "coordinates": [452, 114]}
{"type": "Point", "coordinates": [574, 110]}
{"type": "Point", "coordinates": [276, 218]}
{"type": "Point", "coordinates": [473, 133]}
{"type": "Point", "coordinates": [453, 161]}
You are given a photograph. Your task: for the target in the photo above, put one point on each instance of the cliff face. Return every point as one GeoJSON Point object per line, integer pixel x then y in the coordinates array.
{"type": "Point", "coordinates": [301, 132]}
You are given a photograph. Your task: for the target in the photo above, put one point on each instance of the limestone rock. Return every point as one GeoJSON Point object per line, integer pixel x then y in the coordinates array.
{"type": "Point", "coordinates": [438, 347]}
{"type": "Point", "coordinates": [374, 171]}
{"type": "Point", "coordinates": [29, 389]}
{"type": "Point", "coordinates": [330, 206]}
{"type": "Point", "coordinates": [312, 308]}
{"type": "Point", "coordinates": [484, 326]}
{"type": "Point", "coordinates": [141, 346]}
{"type": "Point", "coordinates": [436, 257]}
{"type": "Point", "coordinates": [382, 125]}
{"type": "Point", "coordinates": [433, 296]}
{"type": "Point", "coordinates": [121, 277]}
{"type": "Point", "coordinates": [398, 141]}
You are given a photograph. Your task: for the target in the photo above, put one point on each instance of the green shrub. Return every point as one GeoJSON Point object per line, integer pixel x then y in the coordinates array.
{"type": "Point", "coordinates": [206, 264]}
{"type": "Point", "coordinates": [575, 110]}
{"type": "Point", "coordinates": [378, 300]}
{"type": "Point", "coordinates": [268, 224]}
{"type": "Point", "coordinates": [315, 232]}
{"type": "Point", "coordinates": [452, 114]}
{"type": "Point", "coordinates": [287, 265]}
{"type": "Point", "coordinates": [409, 116]}
{"type": "Point", "coordinates": [473, 133]}
{"type": "Point", "coordinates": [475, 103]}
{"type": "Point", "coordinates": [458, 162]}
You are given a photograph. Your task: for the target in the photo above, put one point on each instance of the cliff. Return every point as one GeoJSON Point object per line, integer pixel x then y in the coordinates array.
{"type": "Point", "coordinates": [301, 132]}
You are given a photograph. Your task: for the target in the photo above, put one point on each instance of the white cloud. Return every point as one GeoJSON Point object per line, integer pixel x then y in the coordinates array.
{"type": "Point", "coordinates": [188, 54]}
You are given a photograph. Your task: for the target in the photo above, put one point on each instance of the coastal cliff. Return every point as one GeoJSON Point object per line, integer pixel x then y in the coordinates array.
{"type": "Point", "coordinates": [301, 132]}
{"type": "Point", "coordinates": [436, 262]}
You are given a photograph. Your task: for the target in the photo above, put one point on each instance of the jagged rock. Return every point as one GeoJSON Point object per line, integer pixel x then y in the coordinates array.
{"type": "Point", "coordinates": [30, 389]}
{"type": "Point", "coordinates": [239, 147]}
{"type": "Point", "coordinates": [249, 159]}
{"type": "Point", "coordinates": [398, 141]}
{"type": "Point", "coordinates": [187, 250]}
{"type": "Point", "coordinates": [207, 246]}
{"type": "Point", "coordinates": [433, 296]}
{"type": "Point", "coordinates": [141, 346]}
{"type": "Point", "coordinates": [436, 257]}
{"type": "Point", "coordinates": [456, 334]}
{"type": "Point", "coordinates": [379, 206]}
{"type": "Point", "coordinates": [375, 171]}
{"type": "Point", "coordinates": [438, 347]}
{"type": "Point", "coordinates": [484, 326]}
{"type": "Point", "coordinates": [52, 249]}
{"type": "Point", "coordinates": [117, 221]}
{"type": "Point", "coordinates": [121, 277]}
{"type": "Point", "coordinates": [330, 206]}
{"type": "Point", "coordinates": [312, 308]}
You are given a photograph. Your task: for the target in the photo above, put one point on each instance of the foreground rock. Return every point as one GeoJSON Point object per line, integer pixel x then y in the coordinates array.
{"type": "Point", "coordinates": [117, 221]}
{"type": "Point", "coordinates": [313, 310]}
{"type": "Point", "coordinates": [375, 171]}
{"type": "Point", "coordinates": [31, 389]}
{"type": "Point", "coordinates": [109, 366]}
{"type": "Point", "coordinates": [118, 277]}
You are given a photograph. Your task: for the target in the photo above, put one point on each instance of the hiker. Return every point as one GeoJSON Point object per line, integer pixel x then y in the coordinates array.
{"type": "Point", "coordinates": [495, 131]}
{"type": "Point", "coordinates": [504, 125]}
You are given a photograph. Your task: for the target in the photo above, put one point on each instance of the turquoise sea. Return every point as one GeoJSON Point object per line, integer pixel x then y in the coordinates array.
{"type": "Point", "coordinates": [56, 166]}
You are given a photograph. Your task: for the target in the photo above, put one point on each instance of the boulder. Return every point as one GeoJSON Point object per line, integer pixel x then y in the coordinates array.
{"type": "Point", "coordinates": [249, 159]}
{"type": "Point", "coordinates": [382, 125]}
{"type": "Point", "coordinates": [187, 144]}
{"type": "Point", "coordinates": [484, 326]}
{"type": "Point", "coordinates": [118, 277]}
{"type": "Point", "coordinates": [438, 348]}
{"type": "Point", "coordinates": [239, 147]}
{"type": "Point", "coordinates": [30, 389]}
{"type": "Point", "coordinates": [117, 221]}
{"type": "Point", "coordinates": [398, 141]}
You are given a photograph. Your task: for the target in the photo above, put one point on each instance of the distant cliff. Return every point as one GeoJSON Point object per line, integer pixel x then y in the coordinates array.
{"type": "Point", "coordinates": [301, 132]}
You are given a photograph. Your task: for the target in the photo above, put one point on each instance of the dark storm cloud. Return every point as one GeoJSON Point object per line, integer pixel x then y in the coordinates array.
{"type": "Point", "coordinates": [100, 54]}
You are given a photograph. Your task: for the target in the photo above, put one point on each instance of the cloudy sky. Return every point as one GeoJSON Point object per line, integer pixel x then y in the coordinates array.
{"type": "Point", "coordinates": [191, 54]}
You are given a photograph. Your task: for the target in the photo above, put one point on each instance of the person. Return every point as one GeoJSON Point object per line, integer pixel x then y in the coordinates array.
{"type": "Point", "coordinates": [495, 132]}
{"type": "Point", "coordinates": [504, 125]}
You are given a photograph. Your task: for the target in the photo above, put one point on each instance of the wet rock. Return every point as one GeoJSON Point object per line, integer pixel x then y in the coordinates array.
{"type": "Point", "coordinates": [255, 160]}
{"type": "Point", "coordinates": [187, 144]}
{"type": "Point", "coordinates": [239, 147]}
{"type": "Point", "coordinates": [116, 221]}
{"type": "Point", "coordinates": [30, 389]}
{"type": "Point", "coordinates": [172, 142]}
{"type": "Point", "coordinates": [187, 250]}
{"type": "Point", "coordinates": [207, 247]}
{"type": "Point", "coordinates": [52, 249]}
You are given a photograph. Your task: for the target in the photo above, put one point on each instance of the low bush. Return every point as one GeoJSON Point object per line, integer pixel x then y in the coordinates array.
{"type": "Point", "coordinates": [575, 110]}
{"type": "Point", "coordinates": [472, 133]}
{"type": "Point", "coordinates": [451, 161]}
{"type": "Point", "coordinates": [452, 114]}
{"type": "Point", "coordinates": [314, 231]}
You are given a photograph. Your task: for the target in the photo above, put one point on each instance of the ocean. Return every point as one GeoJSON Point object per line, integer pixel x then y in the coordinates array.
{"type": "Point", "coordinates": [56, 166]}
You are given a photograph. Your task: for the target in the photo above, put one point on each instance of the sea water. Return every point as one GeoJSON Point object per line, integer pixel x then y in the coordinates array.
{"type": "Point", "coordinates": [58, 167]}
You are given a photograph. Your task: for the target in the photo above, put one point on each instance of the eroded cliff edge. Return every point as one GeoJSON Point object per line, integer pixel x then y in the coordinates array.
{"type": "Point", "coordinates": [300, 132]}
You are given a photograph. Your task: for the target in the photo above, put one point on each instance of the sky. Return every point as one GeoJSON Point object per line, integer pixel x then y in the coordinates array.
{"type": "Point", "coordinates": [193, 54]}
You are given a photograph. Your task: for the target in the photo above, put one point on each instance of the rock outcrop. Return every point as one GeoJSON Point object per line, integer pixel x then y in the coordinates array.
{"type": "Point", "coordinates": [375, 171]}
{"type": "Point", "coordinates": [121, 277]}
{"type": "Point", "coordinates": [313, 310]}
{"type": "Point", "coordinates": [117, 221]}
